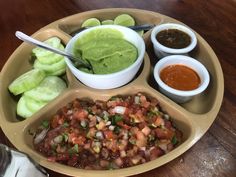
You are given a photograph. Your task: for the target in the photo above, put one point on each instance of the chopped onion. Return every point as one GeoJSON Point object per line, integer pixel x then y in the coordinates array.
{"type": "Point", "coordinates": [119, 109]}
{"type": "Point", "coordinates": [136, 99]}
{"type": "Point", "coordinates": [58, 139]}
{"type": "Point", "coordinates": [96, 146]}
{"type": "Point", "coordinates": [108, 123]}
{"type": "Point", "coordinates": [125, 136]}
{"type": "Point", "coordinates": [163, 146]}
{"type": "Point", "coordinates": [111, 127]}
{"type": "Point", "coordinates": [69, 112]}
{"type": "Point", "coordinates": [136, 159]}
{"type": "Point", "coordinates": [122, 153]}
{"type": "Point", "coordinates": [99, 135]}
{"type": "Point", "coordinates": [143, 148]}
{"type": "Point", "coordinates": [83, 123]}
{"type": "Point", "coordinates": [105, 114]}
{"type": "Point", "coordinates": [98, 118]}
{"type": "Point", "coordinates": [39, 137]}
{"type": "Point", "coordinates": [167, 117]}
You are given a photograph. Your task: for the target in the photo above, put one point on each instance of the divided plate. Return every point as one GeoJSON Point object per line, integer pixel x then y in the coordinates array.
{"type": "Point", "coordinates": [193, 118]}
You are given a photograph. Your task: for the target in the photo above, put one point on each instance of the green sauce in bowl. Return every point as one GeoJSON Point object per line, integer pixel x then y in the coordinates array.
{"type": "Point", "coordinates": [106, 50]}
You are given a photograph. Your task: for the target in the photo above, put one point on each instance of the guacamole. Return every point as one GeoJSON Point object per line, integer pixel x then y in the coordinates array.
{"type": "Point", "coordinates": [106, 50]}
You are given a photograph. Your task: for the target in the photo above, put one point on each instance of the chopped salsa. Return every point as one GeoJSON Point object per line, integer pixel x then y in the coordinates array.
{"type": "Point", "coordinates": [100, 135]}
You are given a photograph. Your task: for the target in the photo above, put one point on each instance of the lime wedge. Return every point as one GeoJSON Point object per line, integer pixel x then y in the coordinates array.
{"type": "Point", "coordinates": [107, 22]}
{"type": "Point", "coordinates": [124, 20]}
{"type": "Point", "coordinates": [91, 22]}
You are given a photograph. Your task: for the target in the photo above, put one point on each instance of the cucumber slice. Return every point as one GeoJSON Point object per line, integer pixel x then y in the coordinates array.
{"type": "Point", "coordinates": [91, 22]}
{"type": "Point", "coordinates": [58, 73]}
{"type": "Point", "coordinates": [48, 89]}
{"type": "Point", "coordinates": [51, 58]}
{"type": "Point", "coordinates": [61, 64]}
{"type": "Point", "coordinates": [107, 22]}
{"type": "Point", "coordinates": [124, 20]}
{"type": "Point", "coordinates": [26, 81]}
{"type": "Point", "coordinates": [22, 109]}
{"type": "Point", "coordinates": [34, 105]}
{"type": "Point", "coordinates": [40, 52]}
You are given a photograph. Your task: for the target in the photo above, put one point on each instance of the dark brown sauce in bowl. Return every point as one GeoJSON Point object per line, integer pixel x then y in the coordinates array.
{"type": "Point", "coordinates": [180, 77]}
{"type": "Point", "coordinates": [173, 38]}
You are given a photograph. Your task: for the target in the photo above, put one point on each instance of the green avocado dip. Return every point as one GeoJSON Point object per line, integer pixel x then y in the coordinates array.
{"type": "Point", "coordinates": [106, 50]}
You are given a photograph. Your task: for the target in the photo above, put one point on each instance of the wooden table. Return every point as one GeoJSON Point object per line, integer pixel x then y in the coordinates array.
{"type": "Point", "coordinates": [215, 153]}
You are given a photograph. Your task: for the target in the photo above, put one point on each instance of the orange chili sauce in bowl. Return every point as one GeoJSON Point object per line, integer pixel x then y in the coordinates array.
{"type": "Point", "coordinates": [180, 77]}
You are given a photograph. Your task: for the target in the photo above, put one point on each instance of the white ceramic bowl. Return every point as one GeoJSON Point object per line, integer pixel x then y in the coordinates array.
{"type": "Point", "coordinates": [161, 50]}
{"type": "Point", "coordinates": [180, 96]}
{"type": "Point", "coordinates": [114, 80]}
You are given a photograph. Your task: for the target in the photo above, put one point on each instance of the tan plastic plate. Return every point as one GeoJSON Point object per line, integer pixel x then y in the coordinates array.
{"type": "Point", "coordinates": [193, 118]}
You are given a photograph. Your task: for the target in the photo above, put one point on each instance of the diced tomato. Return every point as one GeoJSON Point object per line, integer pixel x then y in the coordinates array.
{"type": "Point", "coordinates": [144, 101]}
{"type": "Point", "coordinates": [141, 125]}
{"type": "Point", "coordinates": [92, 121]}
{"type": "Point", "coordinates": [143, 98]}
{"type": "Point", "coordinates": [76, 139]}
{"type": "Point", "coordinates": [141, 139]}
{"type": "Point", "coordinates": [109, 134]}
{"type": "Point", "coordinates": [56, 121]}
{"type": "Point", "coordinates": [164, 133]}
{"type": "Point", "coordinates": [159, 121]}
{"type": "Point", "coordinates": [146, 130]}
{"type": "Point", "coordinates": [134, 130]}
{"type": "Point", "coordinates": [123, 125]}
{"type": "Point", "coordinates": [154, 102]}
{"type": "Point", "coordinates": [139, 115]}
{"type": "Point", "coordinates": [79, 140]}
{"type": "Point", "coordinates": [155, 152]}
{"type": "Point", "coordinates": [81, 114]}
{"type": "Point", "coordinates": [71, 136]}
{"type": "Point", "coordinates": [112, 145]}
{"type": "Point", "coordinates": [51, 159]}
